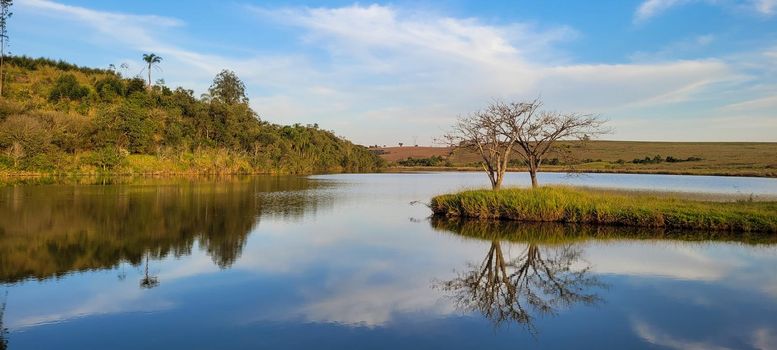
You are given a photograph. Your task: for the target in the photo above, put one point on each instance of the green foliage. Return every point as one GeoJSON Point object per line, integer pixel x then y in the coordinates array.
{"type": "Point", "coordinates": [669, 159]}
{"type": "Point", "coordinates": [33, 64]}
{"type": "Point", "coordinates": [109, 88]}
{"type": "Point", "coordinates": [151, 129]}
{"type": "Point", "coordinates": [431, 161]}
{"type": "Point", "coordinates": [228, 88]}
{"type": "Point", "coordinates": [68, 87]}
{"type": "Point", "coordinates": [135, 85]}
{"type": "Point", "coordinates": [106, 158]}
{"type": "Point", "coordinates": [569, 205]}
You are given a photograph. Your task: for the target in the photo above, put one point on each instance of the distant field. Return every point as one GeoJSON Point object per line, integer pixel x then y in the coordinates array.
{"type": "Point", "coordinates": [718, 158]}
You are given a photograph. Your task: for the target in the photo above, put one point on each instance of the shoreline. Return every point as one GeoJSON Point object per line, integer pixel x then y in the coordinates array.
{"type": "Point", "coordinates": [389, 170]}
{"type": "Point", "coordinates": [400, 169]}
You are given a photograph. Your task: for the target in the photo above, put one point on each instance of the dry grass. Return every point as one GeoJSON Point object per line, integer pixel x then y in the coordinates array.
{"type": "Point", "coordinates": [719, 158]}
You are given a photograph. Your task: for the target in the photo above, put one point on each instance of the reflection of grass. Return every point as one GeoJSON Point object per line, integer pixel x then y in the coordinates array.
{"type": "Point", "coordinates": [551, 233]}
{"type": "Point", "coordinates": [569, 205]}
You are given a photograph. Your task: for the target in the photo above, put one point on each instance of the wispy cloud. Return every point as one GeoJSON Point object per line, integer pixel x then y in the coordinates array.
{"type": "Point", "coordinates": [766, 7]}
{"type": "Point", "coordinates": [377, 73]}
{"type": "Point", "coordinates": [658, 337]}
{"type": "Point", "coordinates": [651, 8]}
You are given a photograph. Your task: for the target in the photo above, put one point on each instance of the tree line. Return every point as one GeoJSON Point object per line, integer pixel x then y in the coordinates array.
{"type": "Point", "coordinates": [56, 116]}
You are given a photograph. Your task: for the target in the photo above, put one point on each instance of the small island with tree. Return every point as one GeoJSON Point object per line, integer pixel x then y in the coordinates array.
{"type": "Point", "coordinates": [502, 129]}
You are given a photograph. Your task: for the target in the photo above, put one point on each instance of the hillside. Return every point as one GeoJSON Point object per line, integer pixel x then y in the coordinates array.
{"type": "Point", "coordinates": [706, 158]}
{"type": "Point", "coordinates": [56, 117]}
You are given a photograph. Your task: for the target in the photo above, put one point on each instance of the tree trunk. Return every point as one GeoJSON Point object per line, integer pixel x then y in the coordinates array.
{"type": "Point", "coordinates": [149, 75]}
{"type": "Point", "coordinates": [533, 173]}
{"type": "Point", "coordinates": [497, 184]}
{"type": "Point", "coordinates": [2, 62]}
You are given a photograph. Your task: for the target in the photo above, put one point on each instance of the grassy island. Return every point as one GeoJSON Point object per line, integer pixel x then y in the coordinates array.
{"type": "Point", "coordinates": [571, 205]}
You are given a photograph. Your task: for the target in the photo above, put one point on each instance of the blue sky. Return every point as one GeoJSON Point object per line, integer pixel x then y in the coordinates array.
{"type": "Point", "coordinates": [401, 71]}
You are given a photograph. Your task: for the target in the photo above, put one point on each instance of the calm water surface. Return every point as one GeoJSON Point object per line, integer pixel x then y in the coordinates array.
{"type": "Point", "coordinates": [344, 261]}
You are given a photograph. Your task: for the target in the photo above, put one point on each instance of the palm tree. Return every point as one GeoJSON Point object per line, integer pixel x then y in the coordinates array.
{"type": "Point", "coordinates": [152, 60]}
{"type": "Point", "coordinates": [148, 281]}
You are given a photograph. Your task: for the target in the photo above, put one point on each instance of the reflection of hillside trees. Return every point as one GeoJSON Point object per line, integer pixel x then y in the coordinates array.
{"type": "Point", "coordinates": [541, 280]}
{"type": "Point", "coordinates": [47, 231]}
{"type": "Point", "coordinates": [3, 330]}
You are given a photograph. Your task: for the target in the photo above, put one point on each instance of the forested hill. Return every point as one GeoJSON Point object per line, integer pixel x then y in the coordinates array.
{"type": "Point", "coordinates": [56, 117]}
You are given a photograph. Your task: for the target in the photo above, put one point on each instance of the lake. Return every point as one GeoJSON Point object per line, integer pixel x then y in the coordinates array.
{"type": "Point", "coordinates": [346, 261]}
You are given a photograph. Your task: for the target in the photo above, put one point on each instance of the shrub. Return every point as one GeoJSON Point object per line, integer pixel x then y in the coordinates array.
{"type": "Point", "coordinates": [67, 87]}
{"type": "Point", "coordinates": [106, 158]}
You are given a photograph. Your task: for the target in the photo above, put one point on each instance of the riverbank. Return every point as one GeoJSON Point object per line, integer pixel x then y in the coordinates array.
{"type": "Point", "coordinates": [206, 162]}
{"type": "Point", "coordinates": [571, 205]}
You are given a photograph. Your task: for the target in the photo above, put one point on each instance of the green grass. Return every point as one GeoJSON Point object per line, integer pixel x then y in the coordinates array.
{"type": "Point", "coordinates": [570, 205]}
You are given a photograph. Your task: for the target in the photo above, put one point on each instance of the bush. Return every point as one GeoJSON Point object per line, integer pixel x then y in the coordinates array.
{"type": "Point", "coordinates": [109, 88]}
{"type": "Point", "coordinates": [431, 161]}
{"type": "Point", "coordinates": [67, 87]}
{"type": "Point", "coordinates": [106, 158]}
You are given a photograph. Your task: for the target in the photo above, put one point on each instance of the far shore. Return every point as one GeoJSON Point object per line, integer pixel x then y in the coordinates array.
{"type": "Point", "coordinates": [555, 169]}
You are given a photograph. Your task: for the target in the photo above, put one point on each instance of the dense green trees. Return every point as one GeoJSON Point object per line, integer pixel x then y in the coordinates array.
{"type": "Point", "coordinates": [60, 117]}
{"type": "Point", "coordinates": [228, 88]}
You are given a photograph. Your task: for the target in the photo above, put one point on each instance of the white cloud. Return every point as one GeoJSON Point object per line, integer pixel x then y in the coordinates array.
{"type": "Point", "coordinates": [766, 7]}
{"type": "Point", "coordinates": [131, 27]}
{"type": "Point", "coordinates": [657, 337]}
{"type": "Point", "coordinates": [650, 8]}
{"type": "Point", "coordinates": [387, 72]}
{"type": "Point", "coordinates": [765, 339]}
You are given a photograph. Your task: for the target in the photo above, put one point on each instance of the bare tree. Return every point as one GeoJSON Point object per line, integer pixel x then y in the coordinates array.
{"type": "Point", "coordinates": [492, 133]}
{"type": "Point", "coordinates": [521, 127]}
{"type": "Point", "coordinates": [539, 133]}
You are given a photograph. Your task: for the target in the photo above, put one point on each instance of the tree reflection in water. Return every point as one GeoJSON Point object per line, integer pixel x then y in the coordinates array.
{"type": "Point", "coordinates": [50, 230]}
{"type": "Point", "coordinates": [543, 279]}
{"type": "Point", "coordinates": [548, 274]}
{"type": "Point", "coordinates": [148, 281]}
{"type": "Point", "coordinates": [3, 330]}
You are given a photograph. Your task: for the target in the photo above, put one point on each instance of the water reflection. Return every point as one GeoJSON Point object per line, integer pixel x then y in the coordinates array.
{"type": "Point", "coordinates": [554, 233]}
{"type": "Point", "coordinates": [148, 281]}
{"type": "Point", "coordinates": [3, 330]}
{"type": "Point", "coordinates": [541, 280]}
{"type": "Point", "coordinates": [48, 231]}
{"type": "Point", "coordinates": [549, 273]}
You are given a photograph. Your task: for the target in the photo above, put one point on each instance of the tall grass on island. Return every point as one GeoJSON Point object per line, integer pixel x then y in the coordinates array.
{"type": "Point", "coordinates": [571, 205]}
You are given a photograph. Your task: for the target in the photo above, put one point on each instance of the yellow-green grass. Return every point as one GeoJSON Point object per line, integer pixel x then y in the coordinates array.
{"type": "Point", "coordinates": [570, 205]}
{"type": "Point", "coordinates": [718, 158]}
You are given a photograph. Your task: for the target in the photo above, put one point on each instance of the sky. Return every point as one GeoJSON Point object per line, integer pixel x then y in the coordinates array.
{"type": "Point", "coordinates": [403, 71]}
